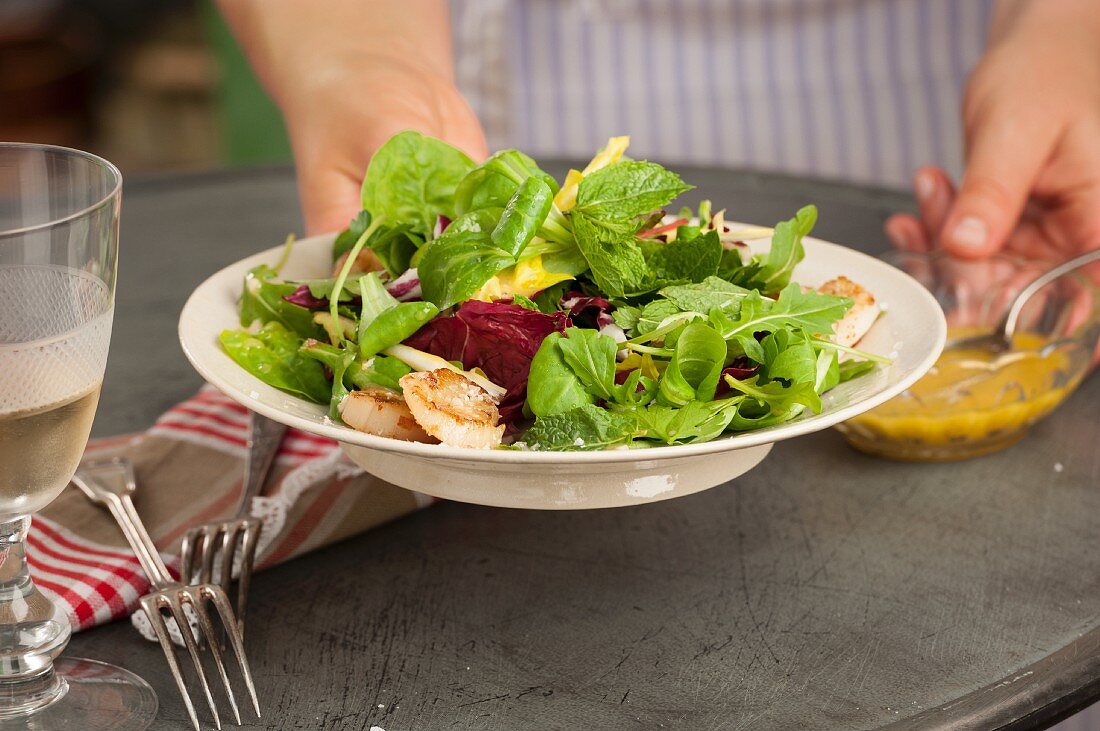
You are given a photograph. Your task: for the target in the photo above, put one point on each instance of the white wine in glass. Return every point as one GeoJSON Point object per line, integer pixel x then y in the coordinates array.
{"type": "Point", "coordinates": [58, 261]}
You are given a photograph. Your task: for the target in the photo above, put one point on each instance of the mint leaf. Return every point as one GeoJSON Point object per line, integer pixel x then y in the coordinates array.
{"type": "Point", "coordinates": [654, 314]}
{"type": "Point", "coordinates": [692, 260]}
{"type": "Point", "coordinates": [626, 317]}
{"type": "Point", "coordinates": [586, 428]}
{"type": "Point", "coordinates": [703, 297]}
{"type": "Point", "coordinates": [627, 189]}
{"type": "Point", "coordinates": [614, 259]}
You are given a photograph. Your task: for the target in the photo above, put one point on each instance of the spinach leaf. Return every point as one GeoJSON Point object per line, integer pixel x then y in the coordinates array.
{"type": "Point", "coordinates": [262, 300]}
{"type": "Point", "coordinates": [585, 427]}
{"type": "Point", "coordinates": [494, 182]}
{"type": "Point", "coordinates": [553, 387]}
{"type": "Point", "coordinates": [695, 368]}
{"type": "Point", "coordinates": [626, 189]}
{"type": "Point", "coordinates": [614, 258]}
{"type": "Point", "coordinates": [454, 266]}
{"type": "Point", "coordinates": [786, 249]}
{"type": "Point", "coordinates": [412, 179]}
{"type": "Point", "coordinates": [272, 356]}
{"type": "Point", "coordinates": [479, 220]}
{"type": "Point", "coordinates": [591, 356]}
{"type": "Point", "coordinates": [522, 217]}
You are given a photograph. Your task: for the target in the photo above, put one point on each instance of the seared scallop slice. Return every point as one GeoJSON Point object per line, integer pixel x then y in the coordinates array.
{"type": "Point", "coordinates": [858, 320]}
{"type": "Point", "coordinates": [453, 409]}
{"type": "Point", "coordinates": [383, 413]}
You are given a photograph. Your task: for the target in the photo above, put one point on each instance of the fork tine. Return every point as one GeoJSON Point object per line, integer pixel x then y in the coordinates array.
{"type": "Point", "coordinates": [229, 550]}
{"type": "Point", "coordinates": [176, 607]}
{"type": "Point", "coordinates": [199, 605]}
{"type": "Point", "coordinates": [250, 539]}
{"type": "Point", "coordinates": [187, 555]}
{"type": "Point", "coordinates": [221, 603]}
{"type": "Point", "coordinates": [152, 610]}
{"type": "Point", "coordinates": [209, 551]}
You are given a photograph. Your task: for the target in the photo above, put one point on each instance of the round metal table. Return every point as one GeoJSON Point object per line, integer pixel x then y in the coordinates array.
{"type": "Point", "coordinates": [824, 589]}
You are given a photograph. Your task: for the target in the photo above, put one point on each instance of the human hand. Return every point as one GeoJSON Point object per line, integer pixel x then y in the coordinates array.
{"type": "Point", "coordinates": [348, 75]}
{"type": "Point", "coordinates": [1032, 124]}
{"type": "Point", "coordinates": [338, 119]}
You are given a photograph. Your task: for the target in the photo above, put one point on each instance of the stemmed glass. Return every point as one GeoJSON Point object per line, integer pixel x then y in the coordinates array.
{"type": "Point", "coordinates": [58, 254]}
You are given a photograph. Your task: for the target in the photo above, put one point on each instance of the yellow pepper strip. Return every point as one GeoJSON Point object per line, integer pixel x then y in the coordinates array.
{"type": "Point", "coordinates": [611, 153]}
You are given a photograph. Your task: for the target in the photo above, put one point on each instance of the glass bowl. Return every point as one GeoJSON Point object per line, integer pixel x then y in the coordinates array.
{"type": "Point", "coordinates": [974, 402]}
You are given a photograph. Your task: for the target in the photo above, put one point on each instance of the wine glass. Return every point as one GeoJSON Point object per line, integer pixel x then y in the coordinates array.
{"type": "Point", "coordinates": [58, 255]}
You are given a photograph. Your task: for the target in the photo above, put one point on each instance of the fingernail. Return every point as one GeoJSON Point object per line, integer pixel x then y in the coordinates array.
{"type": "Point", "coordinates": [970, 233]}
{"type": "Point", "coordinates": [924, 185]}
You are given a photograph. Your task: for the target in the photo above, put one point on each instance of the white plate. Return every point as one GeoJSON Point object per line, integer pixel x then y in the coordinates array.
{"type": "Point", "coordinates": [912, 331]}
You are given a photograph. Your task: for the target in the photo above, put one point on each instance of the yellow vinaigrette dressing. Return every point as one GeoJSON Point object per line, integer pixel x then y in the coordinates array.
{"type": "Point", "coordinates": [972, 402]}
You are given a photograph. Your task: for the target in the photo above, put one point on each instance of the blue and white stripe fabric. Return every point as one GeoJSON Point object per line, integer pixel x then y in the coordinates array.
{"type": "Point", "coordinates": [862, 90]}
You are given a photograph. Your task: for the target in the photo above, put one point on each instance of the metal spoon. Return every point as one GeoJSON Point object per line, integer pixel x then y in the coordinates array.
{"type": "Point", "coordinates": [1000, 339]}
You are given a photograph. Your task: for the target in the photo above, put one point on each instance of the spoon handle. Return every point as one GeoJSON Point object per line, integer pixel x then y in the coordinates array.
{"type": "Point", "coordinates": [1008, 326]}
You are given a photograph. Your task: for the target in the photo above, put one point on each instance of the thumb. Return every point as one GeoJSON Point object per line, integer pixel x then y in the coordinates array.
{"type": "Point", "coordinates": [329, 200]}
{"type": "Point", "coordinates": [1006, 155]}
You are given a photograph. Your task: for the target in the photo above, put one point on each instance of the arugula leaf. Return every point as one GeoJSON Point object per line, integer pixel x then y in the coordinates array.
{"type": "Point", "coordinates": [553, 387]}
{"type": "Point", "coordinates": [272, 356]}
{"type": "Point", "coordinates": [812, 311]}
{"type": "Point", "coordinates": [454, 266]}
{"type": "Point", "coordinates": [347, 238]}
{"type": "Point", "coordinates": [614, 258]}
{"type": "Point", "coordinates": [412, 179]}
{"type": "Point", "coordinates": [695, 421]}
{"type": "Point", "coordinates": [524, 302]}
{"type": "Point", "coordinates": [262, 300]}
{"type": "Point", "coordinates": [786, 249]}
{"type": "Point", "coordinates": [703, 297]}
{"type": "Point", "coordinates": [693, 260]}
{"type": "Point", "coordinates": [585, 427]}
{"type": "Point", "coordinates": [789, 356]}
{"type": "Point", "coordinates": [850, 369]}
{"type": "Point", "coordinates": [783, 402]}
{"type": "Point", "coordinates": [695, 367]}
{"type": "Point", "coordinates": [591, 356]}
{"type": "Point", "coordinates": [626, 189]}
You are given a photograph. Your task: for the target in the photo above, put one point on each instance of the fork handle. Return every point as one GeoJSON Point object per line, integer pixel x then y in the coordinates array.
{"type": "Point", "coordinates": [265, 436]}
{"type": "Point", "coordinates": [125, 514]}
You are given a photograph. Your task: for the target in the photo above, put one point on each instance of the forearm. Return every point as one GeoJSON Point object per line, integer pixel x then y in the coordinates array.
{"type": "Point", "coordinates": [1043, 16]}
{"type": "Point", "coordinates": [284, 39]}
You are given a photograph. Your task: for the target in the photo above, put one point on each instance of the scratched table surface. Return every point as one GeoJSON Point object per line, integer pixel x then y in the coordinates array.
{"type": "Point", "coordinates": [822, 590]}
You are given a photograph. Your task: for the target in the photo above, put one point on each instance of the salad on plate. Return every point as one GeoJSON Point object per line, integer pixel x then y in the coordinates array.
{"type": "Point", "coordinates": [488, 306]}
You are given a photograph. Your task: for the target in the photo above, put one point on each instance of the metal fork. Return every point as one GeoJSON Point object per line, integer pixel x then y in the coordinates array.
{"type": "Point", "coordinates": [204, 543]}
{"type": "Point", "coordinates": [111, 483]}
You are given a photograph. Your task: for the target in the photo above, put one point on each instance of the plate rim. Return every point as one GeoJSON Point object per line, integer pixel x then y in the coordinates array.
{"type": "Point", "coordinates": [343, 434]}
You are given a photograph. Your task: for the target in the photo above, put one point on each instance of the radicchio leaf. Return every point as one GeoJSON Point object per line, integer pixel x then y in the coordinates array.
{"type": "Point", "coordinates": [500, 338]}
{"type": "Point", "coordinates": [587, 311]}
{"type": "Point", "coordinates": [740, 369]}
{"type": "Point", "coordinates": [304, 298]}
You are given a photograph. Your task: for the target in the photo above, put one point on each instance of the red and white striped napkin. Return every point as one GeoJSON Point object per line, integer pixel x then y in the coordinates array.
{"type": "Point", "coordinates": [189, 469]}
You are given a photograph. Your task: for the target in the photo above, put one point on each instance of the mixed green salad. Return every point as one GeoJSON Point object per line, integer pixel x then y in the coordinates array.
{"type": "Point", "coordinates": [487, 305]}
